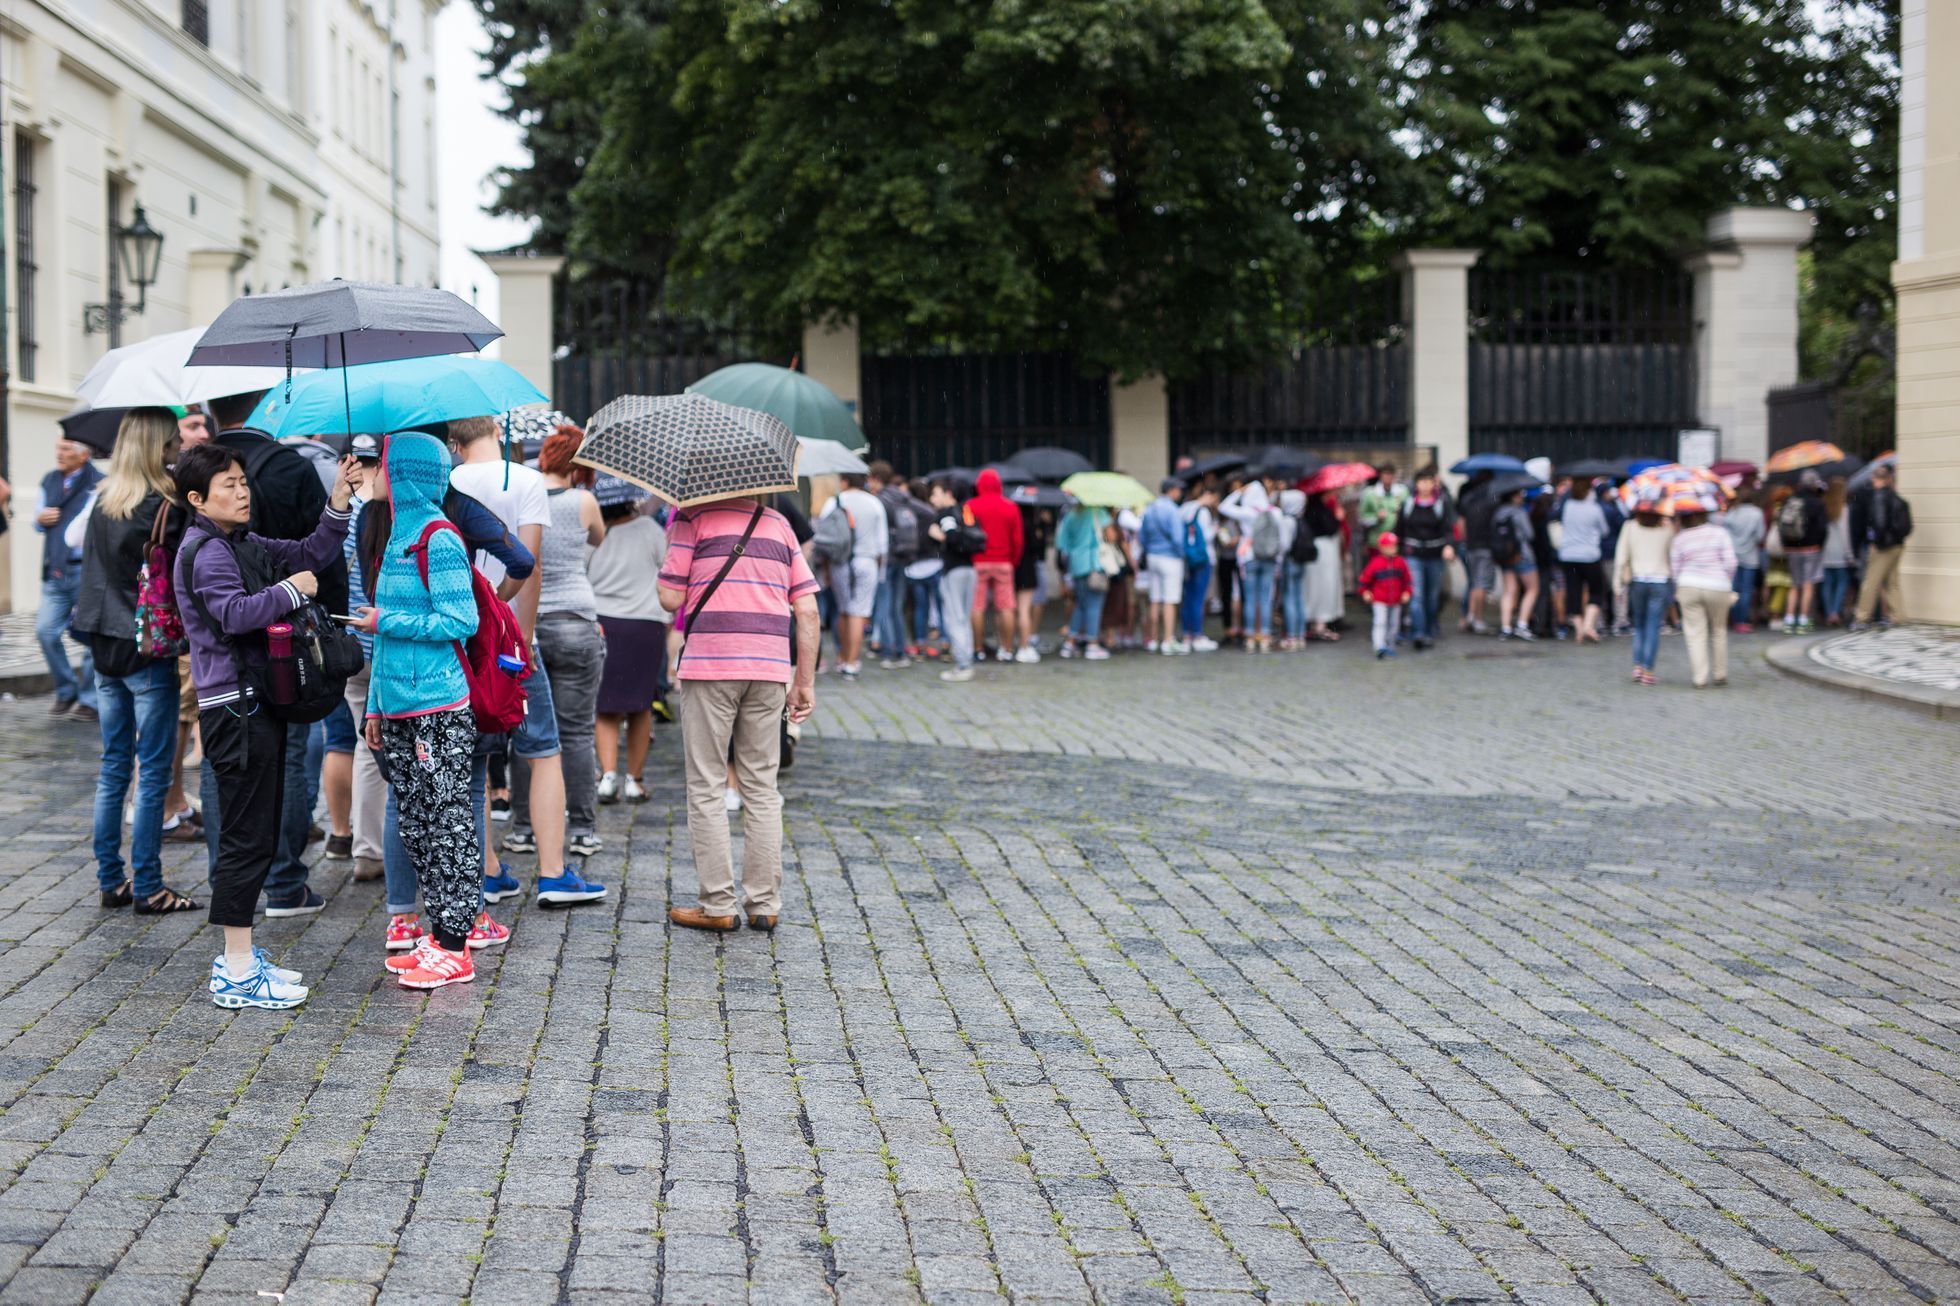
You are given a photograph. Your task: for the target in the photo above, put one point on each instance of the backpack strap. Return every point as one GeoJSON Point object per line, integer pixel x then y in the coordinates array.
{"type": "Point", "coordinates": [420, 552]}
{"type": "Point", "coordinates": [211, 623]}
{"type": "Point", "coordinates": [741, 547]}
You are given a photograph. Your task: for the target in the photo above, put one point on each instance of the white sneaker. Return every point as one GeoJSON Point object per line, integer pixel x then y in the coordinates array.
{"type": "Point", "coordinates": [632, 792]}
{"type": "Point", "coordinates": [609, 787]}
{"type": "Point", "coordinates": [258, 988]}
{"type": "Point", "coordinates": [1003, 656]}
{"type": "Point", "coordinates": [732, 800]}
{"type": "Point", "coordinates": [1204, 644]}
{"type": "Point", "coordinates": [1096, 653]}
{"type": "Point", "coordinates": [1180, 648]}
{"type": "Point", "coordinates": [1150, 646]}
{"type": "Point", "coordinates": [956, 675]}
{"type": "Point", "coordinates": [1027, 654]}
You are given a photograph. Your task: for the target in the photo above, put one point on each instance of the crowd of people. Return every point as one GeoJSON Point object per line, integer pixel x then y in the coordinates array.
{"type": "Point", "coordinates": [419, 571]}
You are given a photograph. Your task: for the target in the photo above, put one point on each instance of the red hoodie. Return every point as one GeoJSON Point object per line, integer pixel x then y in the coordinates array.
{"type": "Point", "coordinates": [999, 518]}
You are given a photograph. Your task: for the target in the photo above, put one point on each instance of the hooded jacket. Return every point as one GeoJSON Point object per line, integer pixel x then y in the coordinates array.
{"type": "Point", "coordinates": [417, 669]}
{"type": "Point", "coordinates": [999, 518]}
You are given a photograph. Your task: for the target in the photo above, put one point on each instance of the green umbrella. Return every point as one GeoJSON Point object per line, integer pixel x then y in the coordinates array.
{"type": "Point", "coordinates": [805, 406]}
{"type": "Point", "coordinates": [1107, 490]}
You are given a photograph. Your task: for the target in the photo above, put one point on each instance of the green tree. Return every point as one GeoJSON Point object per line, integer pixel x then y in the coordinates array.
{"type": "Point", "coordinates": [1148, 183]}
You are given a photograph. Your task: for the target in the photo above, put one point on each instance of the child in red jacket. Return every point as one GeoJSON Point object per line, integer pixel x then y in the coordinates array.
{"type": "Point", "coordinates": [1386, 583]}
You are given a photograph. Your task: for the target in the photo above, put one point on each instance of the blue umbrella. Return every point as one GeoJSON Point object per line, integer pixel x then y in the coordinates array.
{"type": "Point", "coordinates": [1486, 462]}
{"type": "Point", "coordinates": [1639, 465]}
{"type": "Point", "coordinates": [393, 396]}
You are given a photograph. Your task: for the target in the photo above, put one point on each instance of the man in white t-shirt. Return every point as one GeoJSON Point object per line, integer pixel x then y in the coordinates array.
{"type": "Point", "coordinates": [517, 494]}
{"type": "Point", "coordinates": [854, 585]}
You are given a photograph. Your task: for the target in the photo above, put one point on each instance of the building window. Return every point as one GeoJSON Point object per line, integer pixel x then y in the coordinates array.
{"type": "Point", "coordinates": [24, 266]}
{"type": "Point", "coordinates": [197, 21]}
{"type": "Point", "coordinates": [115, 296]}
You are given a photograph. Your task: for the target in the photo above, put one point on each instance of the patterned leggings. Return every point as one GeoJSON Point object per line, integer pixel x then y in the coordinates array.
{"type": "Point", "coordinates": [429, 763]}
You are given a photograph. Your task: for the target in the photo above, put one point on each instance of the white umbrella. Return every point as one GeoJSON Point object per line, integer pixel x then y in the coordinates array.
{"type": "Point", "coordinates": [157, 372]}
{"type": "Point", "coordinates": [827, 458]}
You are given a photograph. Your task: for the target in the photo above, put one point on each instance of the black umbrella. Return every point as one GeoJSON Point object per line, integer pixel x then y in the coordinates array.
{"type": "Point", "coordinates": [335, 323]}
{"type": "Point", "coordinates": [1845, 466]}
{"type": "Point", "coordinates": [1506, 482]}
{"type": "Point", "coordinates": [1038, 496]}
{"type": "Point", "coordinates": [1216, 463]}
{"type": "Point", "coordinates": [94, 427]}
{"type": "Point", "coordinates": [1286, 458]}
{"type": "Point", "coordinates": [1010, 475]}
{"type": "Point", "coordinates": [1048, 463]}
{"type": "Point", "coordinates": [1594, 469]}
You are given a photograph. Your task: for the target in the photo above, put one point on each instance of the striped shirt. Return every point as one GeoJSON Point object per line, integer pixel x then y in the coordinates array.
{"type": "Point", "coordinates": [745, 633]}
{"type": "Point", "coordinates": [1703, 558]}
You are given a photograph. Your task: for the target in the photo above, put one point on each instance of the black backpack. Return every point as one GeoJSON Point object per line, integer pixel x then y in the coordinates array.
{"type": "Point", "coordinates": [1505, 546]}
{"type": "Point", "coordinates": [1898, 521]}
{"type": "Point", "coordinates": [325, 653]}
{"type": "Point", "coordinates": [1302, 550]}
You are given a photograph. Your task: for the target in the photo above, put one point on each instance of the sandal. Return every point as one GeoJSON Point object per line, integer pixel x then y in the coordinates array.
{"type": "Point", "coordinates": [163, 902]}
{"type": "Point", "coordinates": [120, 897]}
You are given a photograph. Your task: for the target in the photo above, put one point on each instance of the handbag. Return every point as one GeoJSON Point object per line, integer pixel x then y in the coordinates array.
{"type": "Point", "coordinates": [159, 626]}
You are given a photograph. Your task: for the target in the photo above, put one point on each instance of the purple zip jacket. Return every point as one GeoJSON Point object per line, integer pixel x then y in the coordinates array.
{"type": "Point", "coordinates": [217, 582]}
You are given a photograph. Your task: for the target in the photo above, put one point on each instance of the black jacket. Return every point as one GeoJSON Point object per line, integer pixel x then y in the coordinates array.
{"type": "Point", "coordinates": [112, 559]}
{"type": "Point", "coordinates": [1879, 518]}
{"type": "Point", "coordinates": [287, 500]}
{"type": "Point", "coordinates": [1426, 531]}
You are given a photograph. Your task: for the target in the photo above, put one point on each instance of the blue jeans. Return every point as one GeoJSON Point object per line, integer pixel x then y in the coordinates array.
{"type": "Point", "coordinates": [888, 611]}
{"type": "Point", "coordinates": [1085, 623]}
{"type": "Point", "coordinates": [397, 871]}
{"type": "Point", "coordinates": [1428, 601]}
{"type": "Point", "coordinates": [1259, 574]}
{"type": "Point", "coordinates": [1745, 595]}
{"type": "Point", "coordinates": [1293, 597]}
{"type": "Point", "coordinates": [1191, 607]}
{"type": "Point", "coordinates": [58, 596]}
{"type": "Point", "coordinates": [1837, 584]}
{"type": "Point", "coordinates": [139, 724]}
{"type": "Point", "coordinates": [1646, 605]}
{"type": "Point", "coordinates": [925, 598]}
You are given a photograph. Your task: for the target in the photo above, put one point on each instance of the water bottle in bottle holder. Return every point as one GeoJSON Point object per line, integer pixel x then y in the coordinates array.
{"type": "Point", "coordinates": [282, 667]}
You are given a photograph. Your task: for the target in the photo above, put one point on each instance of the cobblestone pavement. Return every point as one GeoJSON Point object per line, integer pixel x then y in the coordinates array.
{"type": "Point", "coordinates": [1916, 655]}
{"type": "Point", "coordinates": [1467, 977]}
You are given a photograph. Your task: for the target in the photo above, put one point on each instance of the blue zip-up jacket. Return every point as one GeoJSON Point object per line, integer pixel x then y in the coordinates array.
{"type": "Point", "coordinates": [1161, 532]}
{"type": "Point", "coordinates": [416, 668]}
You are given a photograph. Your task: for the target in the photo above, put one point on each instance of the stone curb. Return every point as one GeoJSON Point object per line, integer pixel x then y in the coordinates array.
{"type": "Point", "coordinates": [1792, 658]}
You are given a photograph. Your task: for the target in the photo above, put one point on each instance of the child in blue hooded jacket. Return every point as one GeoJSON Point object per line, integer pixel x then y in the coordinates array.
{"type": "Point", "coordinates": [418, 711]}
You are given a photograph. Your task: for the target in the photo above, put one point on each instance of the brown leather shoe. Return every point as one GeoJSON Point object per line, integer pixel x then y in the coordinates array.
{"type": "Point", "coordinates": [694, 918]}
{"type": "Point", "coordinates": [767, 924]}
{"type": "Point", "coordinates": [367, 869]}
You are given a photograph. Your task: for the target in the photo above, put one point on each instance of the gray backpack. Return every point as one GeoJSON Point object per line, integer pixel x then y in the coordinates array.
{"type": "Point", "coordinates": [835, 537]}
{"type": "Point", "coordinates": [1266, 536]}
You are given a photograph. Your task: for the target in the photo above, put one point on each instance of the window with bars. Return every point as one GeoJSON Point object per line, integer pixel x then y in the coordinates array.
{"type": "Point", "coordinates": [25, 287]}
{"type": "Point", "coordinates": [196, 21]}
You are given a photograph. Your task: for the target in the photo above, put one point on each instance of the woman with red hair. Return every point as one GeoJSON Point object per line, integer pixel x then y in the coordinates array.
{"type": "Point", "coordinates": [569, 642]}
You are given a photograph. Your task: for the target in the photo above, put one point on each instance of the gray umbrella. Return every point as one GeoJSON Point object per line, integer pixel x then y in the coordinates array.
{"type": "Point", "coordinates": [1047, 463]}
{"type": "Point", "coordinates": [689, 448]}
{"type": "Point", "coordinates": [335, 323]}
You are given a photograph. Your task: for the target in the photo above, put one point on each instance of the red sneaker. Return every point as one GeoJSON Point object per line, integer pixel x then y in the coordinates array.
{"type": "Point", "coordinates": [403, 962]}
{"type": "Point", "coordinates": [437, 967]}
{"type": "Point", "coordinates": [404, 932]}
{"type": "Point", "coordinates": [486, 933]}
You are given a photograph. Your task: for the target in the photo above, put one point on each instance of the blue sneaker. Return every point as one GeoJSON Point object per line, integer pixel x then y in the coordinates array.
{"type": "Point", "coordinates": [502, 885]}
{"type": "Point", "coordinates": [279, 973]}
{"type": "Point", "coordinates": [306, 904]}
{"type": "Point", "coordinates": [568, 890]}
{"type": "Point", "coordinates": [258, 989]}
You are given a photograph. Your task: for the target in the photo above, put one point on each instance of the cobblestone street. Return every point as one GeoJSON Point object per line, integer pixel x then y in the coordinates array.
{"type": "Point", "coordinates": [1481, 975]}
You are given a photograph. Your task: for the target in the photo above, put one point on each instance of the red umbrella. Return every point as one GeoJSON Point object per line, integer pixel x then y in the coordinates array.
{"type": "Point", "coordinates": [1335, 476]}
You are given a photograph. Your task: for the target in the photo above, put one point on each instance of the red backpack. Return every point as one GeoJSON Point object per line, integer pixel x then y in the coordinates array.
{"type": "Point", "coordinates": [496, 694]}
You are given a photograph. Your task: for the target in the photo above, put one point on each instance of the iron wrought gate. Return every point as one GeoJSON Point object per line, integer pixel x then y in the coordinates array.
{"type": "Point", "coordinates": [925, 411]}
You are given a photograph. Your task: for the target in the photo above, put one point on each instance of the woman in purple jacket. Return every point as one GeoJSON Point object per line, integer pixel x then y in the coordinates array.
{"type": "Point", "coordinates": [242, 740]}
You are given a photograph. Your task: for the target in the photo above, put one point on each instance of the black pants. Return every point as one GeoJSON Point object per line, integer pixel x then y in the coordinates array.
{"type": "Point", "coordinates": [248, 758]}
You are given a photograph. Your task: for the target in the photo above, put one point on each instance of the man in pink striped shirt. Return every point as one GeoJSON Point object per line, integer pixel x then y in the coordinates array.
{"type": "Point", "coordinates": [743, 592]}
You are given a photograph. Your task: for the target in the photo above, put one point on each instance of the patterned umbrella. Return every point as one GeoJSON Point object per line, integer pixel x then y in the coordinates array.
{"type": "Point", "coordinates": [689, 448]}
{"type": "Point", "coordinates": [533, 425]}
{"type": "Point", "coordinates": [1335, 476]}
{"type": "Point", "coordinates": [1804, 453]}
{"type": "Point", "coordinates": [1671, 488]}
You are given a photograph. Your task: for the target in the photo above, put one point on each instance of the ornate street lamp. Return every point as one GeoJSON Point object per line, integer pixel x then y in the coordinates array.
{"type": "Point", "coordinates": [139, 250]}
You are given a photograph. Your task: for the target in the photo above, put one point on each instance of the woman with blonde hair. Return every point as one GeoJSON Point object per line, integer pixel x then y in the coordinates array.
{"type": "Point", "coordinates": [128, 550]}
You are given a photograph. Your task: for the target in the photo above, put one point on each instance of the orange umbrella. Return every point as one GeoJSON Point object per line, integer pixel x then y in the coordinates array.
{"type": "Point", "coordinates": [1805, 453]}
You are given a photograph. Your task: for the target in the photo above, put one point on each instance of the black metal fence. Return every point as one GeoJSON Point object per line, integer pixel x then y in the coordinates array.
{"type": "Point", "coordinates": [924, 411]}
{"type": "Point", "coordinates": [1859, 419]}
{"type": "Point", "coordinates": [620, 337]}
{"type": "Point", "coordinates": [1581, 363]}
{"type": "Point", "coordinates": [1346, 387]}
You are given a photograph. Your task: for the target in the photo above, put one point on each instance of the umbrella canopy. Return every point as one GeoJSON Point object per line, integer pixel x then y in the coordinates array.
{"type": "Point", "coordinates": [1736, 467]}
{"type": "Point", "coordinates": [1672, 487]}
{"type": "Point", "coordinates": [1107, 490]}
{"type": "Point", "coordinates": [1010, 475]}
{"type": "Point", "coordinates": [338, 323]}
{"type": "Point", "coordinates": [1334, 476]}
{"type": "Point", "coordinates": [1215, 465]}
{"type": "Point", "coordinates": [1507, 482]}
{"type": "Point", "coordinates": [1639, 465]}
{"type": "Point", "coordinates": [613, 492]}
{"type": "Point", "coordinates": [689, 448]}
{"type": "Point", "coordinates": [962, 479]}
{"type": "Point", "coordinates": [1888, 460]}
{"type": "Point", "coordinates": [158, 371]}
{"type": "Point", "coordinates": [378, 397]}
{"type": "Point", "coordinates": [1804, 454]}
{"type": "Point", "coordinates": [1486, 462]}
{"type": "Point", "coordinates": [828, 458]}
{"type": "Point", "coordinates": [1047, 463]}
{"type": "Point", "coordinates": [802, 403]}
{"type": "Point", "coordinates": [1038, 496]}
{"type": "Point", "coordinates": [1287, 462]}
{"type": "Point", "coordinates": [530, 425]}
{"type": "Point", "coordinates": [1594, 468]}
{"type": "Point", "coordinates": [94, 427]}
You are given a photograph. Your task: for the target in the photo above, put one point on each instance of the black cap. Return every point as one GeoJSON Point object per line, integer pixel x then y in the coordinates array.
{"type": "Point", "coordinates": [364, 446]}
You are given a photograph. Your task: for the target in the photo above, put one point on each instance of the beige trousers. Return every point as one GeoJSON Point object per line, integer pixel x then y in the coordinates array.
{"type": "Point", "coordinates": [1882, 576]}
{"type": "Point", "coordinates": [370, 811]}
{"type": "Point", "coordinates": [1705, 623]}
{"type": "Point", "coordinates": [746, 714]}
